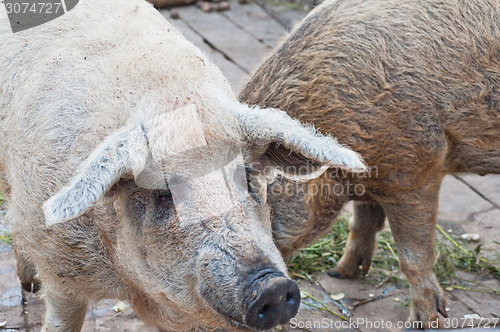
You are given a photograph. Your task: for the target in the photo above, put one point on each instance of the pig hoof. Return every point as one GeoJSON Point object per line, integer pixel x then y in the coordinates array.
{"type": "Point", "coordinates": [441, 306]}
{"type": "Point", "coordinates": [334, 273]}
{"type": "Point", "coordinates": [425, 313]}
{"type": "Point", "coordinates": [350, 262]}
{"type": "Point", "coordinates": [33, 285]}
{"type": "Point", "coordinates": [338, 272]}
{"type": "Point", "coordinates": [432, 322]}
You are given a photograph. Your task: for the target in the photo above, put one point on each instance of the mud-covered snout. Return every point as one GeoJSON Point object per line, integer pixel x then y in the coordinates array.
{"type": "Point", "coordinates": [251, 291]}
{"type": "Point", "coordinates": [274, 300]}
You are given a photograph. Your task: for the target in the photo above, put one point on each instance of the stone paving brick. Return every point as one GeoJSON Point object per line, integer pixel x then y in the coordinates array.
{"type": "Point", "coordinates": [234, 74]}
{"type": "Point", "coordinates": [488, 185]}
{"type": "Point", "coordinates": [458, 203]}
{"type": "Point", "coordinates": [486, 225]}
{"type": "Point", "coordinates": [234, 42]}
{"type": "Point", "coordinates": [256, 22]}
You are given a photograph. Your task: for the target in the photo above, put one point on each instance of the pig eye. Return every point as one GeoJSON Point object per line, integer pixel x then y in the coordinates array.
{"type": "Point", "coordinates": [162, 206]}
{"type": "Point", "coordinates": [164, 198]}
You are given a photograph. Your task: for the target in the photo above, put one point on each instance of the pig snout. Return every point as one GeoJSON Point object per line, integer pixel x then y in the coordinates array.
{"type": "Point", "coordinates": [276, 300]}
{"type": "Point", "coordinates": [254, 292]}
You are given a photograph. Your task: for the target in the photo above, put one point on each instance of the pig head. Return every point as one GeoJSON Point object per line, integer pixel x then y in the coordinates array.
{"type": "Point", "coordinates": [192, 238]}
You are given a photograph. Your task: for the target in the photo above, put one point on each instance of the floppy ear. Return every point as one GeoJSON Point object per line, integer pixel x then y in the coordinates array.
{"type": "Point", "coordinates": [123, 152]}
{"type": "Point", "coordinates": [296, 151]}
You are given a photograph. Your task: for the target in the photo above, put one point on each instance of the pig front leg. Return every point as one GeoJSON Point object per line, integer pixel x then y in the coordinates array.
{"type": "Point", "coordinates": [413, 227]}
{"type": "Point", "coordinates": [64, 312]}
{"type": "Point", "coordinates": [369, 218]}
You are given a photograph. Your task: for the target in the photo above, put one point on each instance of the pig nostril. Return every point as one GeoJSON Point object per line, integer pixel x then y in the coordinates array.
{"type": "Point", "coordinates": [263, 310]}
{"type": "Point", "coordinates": [289, 297]}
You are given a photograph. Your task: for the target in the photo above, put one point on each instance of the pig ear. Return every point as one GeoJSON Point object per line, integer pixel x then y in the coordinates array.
{"type": "Point", "coordinates": [123, 152]}
{"type": "Point", "coordinates": [296, 151]}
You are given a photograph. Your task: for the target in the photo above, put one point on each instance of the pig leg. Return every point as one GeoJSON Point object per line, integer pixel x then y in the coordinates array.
{"type": "Point", "coordinates": [413, 227]}
{"type": "Point", "coordinates": [64, 312]}
{"type": "Point", "coordinates": [26, 272]}
{"type": "Point", "coordinates": [368, 219]}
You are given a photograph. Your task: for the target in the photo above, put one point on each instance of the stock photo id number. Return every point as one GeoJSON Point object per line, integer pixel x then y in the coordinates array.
{"type": "Point", "coordinates": [25, 14]}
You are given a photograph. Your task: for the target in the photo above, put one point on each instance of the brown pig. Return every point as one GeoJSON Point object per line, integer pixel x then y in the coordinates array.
{"type": "Point", "coordinates": [414, 87]}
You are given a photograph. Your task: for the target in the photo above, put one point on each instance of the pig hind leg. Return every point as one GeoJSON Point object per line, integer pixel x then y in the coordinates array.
{"type": "Point", "coordinates": [413, 227]}
{"type": "Point", "coordinates": [27, 273]}
{"type": "Point", "coordinates": [368, 219]}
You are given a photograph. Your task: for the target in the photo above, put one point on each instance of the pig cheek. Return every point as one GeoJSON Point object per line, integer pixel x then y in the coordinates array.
{"type": "Point", "coordinates": [151, 232]}
{"type": "Point", "coordinates": [170, 245]}
{"type": "Point", "coordinates": [213, 270]}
